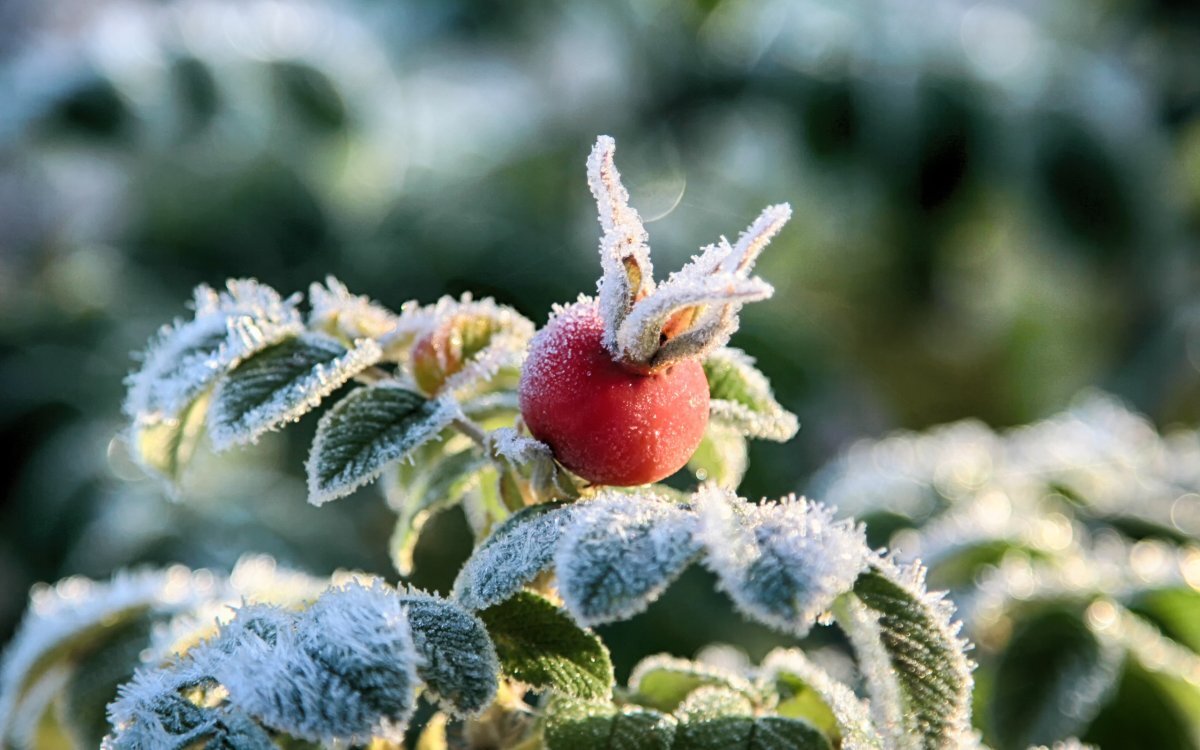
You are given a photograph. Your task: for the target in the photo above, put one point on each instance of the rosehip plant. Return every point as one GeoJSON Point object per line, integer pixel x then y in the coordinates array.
{"type": "Point", "coordinates": [553, 443]}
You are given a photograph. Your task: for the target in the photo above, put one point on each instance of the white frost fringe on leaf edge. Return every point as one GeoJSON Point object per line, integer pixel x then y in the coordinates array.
{"type": "Point", "coordinates": [58, 612]}
{"type": "Point", "coordinates": [252, 316]}
{"type": "Point", "coordinates": [852, 713]}
{"type": "Point", "coordinates": [291, 403]}
{"type": "Point", "coordinates": [447, 411]}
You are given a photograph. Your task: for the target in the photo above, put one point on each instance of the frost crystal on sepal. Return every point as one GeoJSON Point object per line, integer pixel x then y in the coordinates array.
{"type": "Point", "coordinates": [853, 716]}
{"type": "Point", "coordinates": [619, 552]}
{"type": "Point", "coordinates": [696, 309]}
{"type": "Point", "coordinates": [342, 670]}
{"type": "Point", "coordinates": [281, 384]}
{"type": "Point", "coordinates": [911, 655]}
{"type": "Point", "coordinates": [349, 316]}
{"type": "Point", "coordinates": [512, 556]}
{"type": "Point", "coordinates": [186, 357]}
{"type": "Point", "coordinates": [63, 617]}
{"type": "Point", "coordinates": [741, 397]}
{"type": "Point", "coordinates": [366, 432]}
{"type": "Point", "coordinates": [533, 460]}
{"type": "Point", "coordinates": [624, 253]}
{"type": "Point", "coordinates": [783, 563]}
{"type": "Point", "coordinates": [640, 336]}
{"type": "Point", "coordinates": [458, 661]}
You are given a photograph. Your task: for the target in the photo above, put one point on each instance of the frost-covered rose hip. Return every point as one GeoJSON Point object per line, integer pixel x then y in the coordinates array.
{"type": "Point", "coordinates": [605, 421]}
{"type": "Point", "coordinates": [615, 386]}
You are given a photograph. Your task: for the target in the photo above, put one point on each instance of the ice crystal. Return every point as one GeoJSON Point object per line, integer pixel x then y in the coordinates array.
{"type": "Point", "coordinates": [696, 309]}
{"type": "Point", "coordinates": [281, 384]}
{"type": "Point", "coordinates": [619, 552]}
{"type": "Point", "coordinates": [342, 670]}
{"type": "Point", "coordinates": [367, 431]}
{"type": "Point", "coordinates": [853, 715]}
{"type": "Point", "coordinates": [512, 556]}
{"type": "Point", "coordinates": [187, 356]}
{"type": "Point", "coordinates": [782, 563]}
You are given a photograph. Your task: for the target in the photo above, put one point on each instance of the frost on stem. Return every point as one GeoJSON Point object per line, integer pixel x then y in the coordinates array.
{"type": "Point", "coordinates": [782, 563]}
{"type": "Point", "coordinates": [695, 310]}
{"type": "Point", "coordinates": [619, 552]}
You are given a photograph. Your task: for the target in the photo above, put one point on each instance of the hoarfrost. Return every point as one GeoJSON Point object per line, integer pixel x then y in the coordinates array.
{"type": "Point", "coordinates": [619, 552]}
{"type": "Point", "coordinates": [782, 563]}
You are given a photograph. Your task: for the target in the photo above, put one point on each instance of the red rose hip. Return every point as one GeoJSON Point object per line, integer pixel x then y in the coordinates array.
{"type": "Point", "coordinates": [605, 421]}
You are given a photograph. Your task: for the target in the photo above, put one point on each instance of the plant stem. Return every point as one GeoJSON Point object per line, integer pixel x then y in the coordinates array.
{"type": "Point", "coordinates": [470, 429]}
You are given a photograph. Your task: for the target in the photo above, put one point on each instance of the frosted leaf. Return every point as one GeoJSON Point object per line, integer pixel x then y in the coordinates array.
{"type": "Point", "coordinates": [538, 644]}
{"type": "Point", "coordinates": [154, 711]}
{"type": "Point", "coordinates": [856, 730]}
{"type": "Point", "coordinates": [281, 384]}
{"type": "Point", "coordinates": [624, 253]}
{"type": "Point", "coordinates": [505, 328]}
{"type": "Point", "coordinates": [342, 670]}
{"type": "Point", "coordinates": [185, 358]}
{"type": "Point", "coordinates": [721, 458]}
{"type": "Point", "coordinates": [512, 555]}
{"type": "Point", "coordinates": [367, 431]}
{"type": "Point", "coordinates": [911, 656]}
{"type": "Point", "coordinates": [458, 662]}
{"type": "Point", "coordinates": [712, 701]}
{"type": "Point", "coordinates": [65, 620]}
{"type": "Point", "coordinates": [163, 447]}
{"type": "Point", "coordinates": [1068, 744]}
{"type": "Point", "coordinates": [741, 397]}
{"type": "Point", "coordinates": [418, 490]}
{"type": "Point", "coordinates": [583, 725]}
{"type": "Point", "coordinates": [783, 563]}
{"type": "Point", "coordinates": [348, 316]}
{"type": "Point", "coordinates": [663, 681]}
{"type": "Point", "coordinates": [619, 552]}
{"type": "Point", "coordinates": [640, 336]}
{"type": "Point", "coordinates": [717, 718]}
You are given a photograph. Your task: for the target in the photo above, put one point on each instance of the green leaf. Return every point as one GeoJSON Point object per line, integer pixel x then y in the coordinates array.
{"type": "Point", "coordinates": [1175, 611]}
{"type": "Point", "coordinates": [280, 384]}
{"type": "Point", "coordinates": [715, 718]}
{"type": "Point", "coordinates": [582, 725]}
{"type": "Point", "coordinates": [366, 432]}
{"type": "Point", "coordinates": [808, 692]}
{"type": "Point", "coordinates": [423, 488]}
{"type": "Point", "coordinates": [458, 662]}
{"type": "Point", "coordinates": [163, 446]}
{"type": "Point", "coordinates": [721, 457]}
{"type": "Point", "coordinates": [663, 681]}
{"type": "Point", "coordinates": [911, 656]}
{"type": "Point", "coordinates": [1051, 680]}
{"type": "Point", "coordinates": [540, 645]}
{"type": "Point", "coordinates": [742, 399]}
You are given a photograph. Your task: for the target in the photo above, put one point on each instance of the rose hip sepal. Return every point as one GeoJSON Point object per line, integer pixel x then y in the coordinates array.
{"type": "Point", "coordinates": [604, 420]}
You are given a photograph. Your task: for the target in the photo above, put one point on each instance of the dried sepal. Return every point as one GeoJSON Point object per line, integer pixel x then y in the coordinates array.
{"type": "Point", "coordinates": [627, 272]}
{"type": "Point", "coordinates": [696, 309]}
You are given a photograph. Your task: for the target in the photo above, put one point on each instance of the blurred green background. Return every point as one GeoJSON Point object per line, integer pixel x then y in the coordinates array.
{"type": "Point", "coordinates": [997, 205]}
